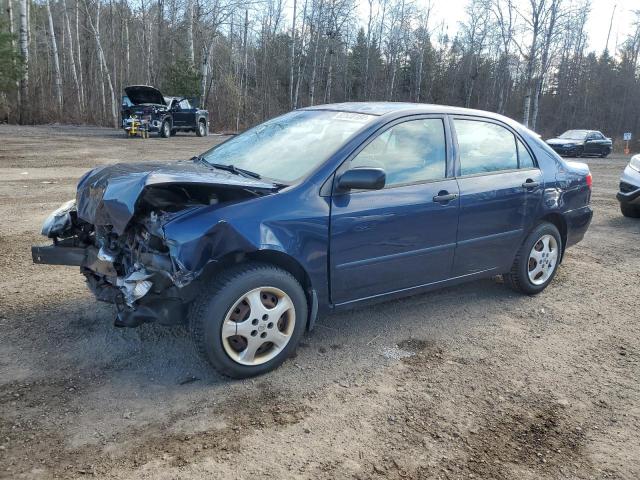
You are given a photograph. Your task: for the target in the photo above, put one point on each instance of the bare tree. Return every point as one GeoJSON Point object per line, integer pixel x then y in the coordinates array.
{"type": "Point", "coordinates": [25, 106]}
{"type": "Point", "coordinates": [56, 60]}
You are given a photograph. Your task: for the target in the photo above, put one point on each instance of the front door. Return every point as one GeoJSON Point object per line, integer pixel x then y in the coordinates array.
{"type": "Point", "coordinates": [184, 115]}
{"type": "Point", "coordinates": [404, 235]}
{"type": "Point", "coordinates": [500, 191]}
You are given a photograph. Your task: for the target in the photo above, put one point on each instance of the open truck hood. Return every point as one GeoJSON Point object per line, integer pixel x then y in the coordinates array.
{"type": "Point", "coordinates": [144, 94]}
{"type": "Point", "coordinates": [113, 194]}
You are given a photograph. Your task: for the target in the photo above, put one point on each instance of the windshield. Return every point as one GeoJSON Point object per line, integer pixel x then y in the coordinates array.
{"type": "Point", "coordinates": [288, 147]}
{"type": "Point", "coordinates": [574, 135]}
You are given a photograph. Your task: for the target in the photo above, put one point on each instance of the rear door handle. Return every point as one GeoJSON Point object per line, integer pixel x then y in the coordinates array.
{"type": "Point", "coordinates": [530, 184]}
{"type": "Point", "coordinates": [444, 197]}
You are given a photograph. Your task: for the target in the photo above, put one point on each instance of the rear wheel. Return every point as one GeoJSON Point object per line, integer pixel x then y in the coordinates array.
{"type": "Point", "coordinates": [630, 211]}
{"type": "Point", "coordinates": [537, 260]}
{"type": "Point", "coordinates": [249, 319]}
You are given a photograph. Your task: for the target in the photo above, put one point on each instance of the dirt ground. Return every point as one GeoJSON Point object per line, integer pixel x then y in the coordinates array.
{"type": "Point", "coordinates": [467, 382]}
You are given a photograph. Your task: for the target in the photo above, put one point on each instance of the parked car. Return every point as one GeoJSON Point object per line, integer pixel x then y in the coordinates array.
{"type": "Point", "coordinates": [629, 194]}
{"type": "Point", "coordinates": [322, 209]}
{"type": "Point", "coordinates": [581, 143]}
{"type": "Point", "coordinates": [164, 115]}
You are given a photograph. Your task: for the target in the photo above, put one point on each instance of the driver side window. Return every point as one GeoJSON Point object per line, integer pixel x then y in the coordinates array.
{"type": "Point", "coordinates": [410, 152]}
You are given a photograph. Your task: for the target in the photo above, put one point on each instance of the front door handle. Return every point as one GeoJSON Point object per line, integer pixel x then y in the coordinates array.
{"type": "Point", "coordinates": [530, 184]}
{"type": "Point", "coordinates": [444, 197]}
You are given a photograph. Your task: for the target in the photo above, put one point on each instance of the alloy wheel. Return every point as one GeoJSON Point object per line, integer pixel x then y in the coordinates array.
{"type": "Point", "coordinates": [542, 259]}
{"type": "Point", "coordinates": [258, 326]}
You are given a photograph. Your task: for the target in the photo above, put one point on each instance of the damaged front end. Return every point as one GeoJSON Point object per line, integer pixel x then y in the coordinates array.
{"type": "Point", "coordinates": [114, 232]}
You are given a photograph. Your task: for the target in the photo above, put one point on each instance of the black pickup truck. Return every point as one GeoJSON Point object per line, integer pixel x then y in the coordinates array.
{"type": "Point", "coordinates": [164, 115]}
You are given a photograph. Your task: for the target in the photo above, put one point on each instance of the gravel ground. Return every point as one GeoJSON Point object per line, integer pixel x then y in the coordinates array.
{"type": "Point", "coordinates": [467, 382]}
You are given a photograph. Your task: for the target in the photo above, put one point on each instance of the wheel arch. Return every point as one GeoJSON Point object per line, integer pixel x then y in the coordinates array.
{"type": "Point", "coordinates": [279, 259]}
{"type": "Point", "coordinates": [560, 223]}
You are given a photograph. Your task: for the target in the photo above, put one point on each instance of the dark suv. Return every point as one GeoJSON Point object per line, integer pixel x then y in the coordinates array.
{"type": "Point", "coordinates": [165, 115]}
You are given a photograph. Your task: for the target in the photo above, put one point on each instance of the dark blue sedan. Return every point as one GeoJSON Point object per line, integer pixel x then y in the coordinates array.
{"type": "Point", "coordinates": [321, 209]}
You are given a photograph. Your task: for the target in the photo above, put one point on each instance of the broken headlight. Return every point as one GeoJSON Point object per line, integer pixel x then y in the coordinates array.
{"type": "Point", "coordinates": [59, 221]}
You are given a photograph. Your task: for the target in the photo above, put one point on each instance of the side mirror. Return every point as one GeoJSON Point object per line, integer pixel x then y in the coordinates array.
{"type": "Point", "coordinates": [362, 179]}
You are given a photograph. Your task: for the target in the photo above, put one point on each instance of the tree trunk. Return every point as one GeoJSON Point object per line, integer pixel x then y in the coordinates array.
{"type": "Point", "coordinates": [189, 20]}
{"type": "Point", "coordinates": [243, 76]}
{"type": "Point", "coordinates": [312, 82]}
{"type": "Point", "coordinates": [293, 52]}
{"type": "Point", "coordinates": [103, 63]}
{"type": "Point", "coordinates": [79, 49]}
{"type": "Point", "coordinates": [74, 73]}
{"type": "Point", "coordinates": [299, 76]}
{"type": "Point", "coordinates": [24, 51]}
{"type": "Point", "coordinates": [127, 52]}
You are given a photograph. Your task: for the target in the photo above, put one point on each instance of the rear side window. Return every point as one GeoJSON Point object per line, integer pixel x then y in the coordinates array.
{"type": "Point", "coordinates": [485, 147]}
{"type": "Point", "coordinates": [410, 152]}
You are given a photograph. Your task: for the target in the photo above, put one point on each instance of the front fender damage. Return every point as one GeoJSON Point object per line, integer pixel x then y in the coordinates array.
{"type": "Point", "coordinates": [129, 239]}
{"type": "Point", "coordinates": [190, 256]}
{"type": "Point", "coordinates": [161, 284]}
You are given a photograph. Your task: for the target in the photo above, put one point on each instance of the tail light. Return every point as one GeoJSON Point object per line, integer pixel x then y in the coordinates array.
{"type": "Point", "coordinates": [589, 180]}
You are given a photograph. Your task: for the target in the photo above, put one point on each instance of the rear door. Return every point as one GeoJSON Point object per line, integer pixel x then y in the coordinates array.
{"type": "Point", "coordinates": [500, 193]}
{"type": "Point", "coordinates": [404, 235]}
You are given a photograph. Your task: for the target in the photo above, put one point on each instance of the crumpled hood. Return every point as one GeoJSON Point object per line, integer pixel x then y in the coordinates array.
{"type": "Point", "coordinates": [109, 195]}
{"type": "Point", "coordinates": [564, 141]}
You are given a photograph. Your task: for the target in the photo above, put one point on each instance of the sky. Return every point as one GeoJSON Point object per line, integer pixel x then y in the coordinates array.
{"type": "Point", "coordinates": [450, 11]}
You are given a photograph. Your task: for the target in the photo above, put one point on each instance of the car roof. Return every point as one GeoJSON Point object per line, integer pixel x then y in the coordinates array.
{"type": "Point", "coordinates": [395, 109]}
{"type": "Point", "coordinates": [383, 108]}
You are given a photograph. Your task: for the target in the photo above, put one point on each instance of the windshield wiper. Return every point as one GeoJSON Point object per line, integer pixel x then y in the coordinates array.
{"type": "Point", "coordinates": [234, 169]}
{"type": "Point", "coordinates": [228, 168]}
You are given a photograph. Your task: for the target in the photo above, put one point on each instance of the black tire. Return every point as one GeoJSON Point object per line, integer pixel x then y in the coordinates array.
{"type": "Point", "coordinates": [202, 130]}
{"type": "Point", "coordinates": [210, 308]}
{"type": "Point", "coordinates": [579, 152]}
{"type": "Point", "coordinates": [518, 277]}
{"type": "Point", "coordinates": [165, 129]}
{"type": "Point", "coordinates": [173, 132]}
{"type": "Point", "coordinates": [605, 154]}
{"type": "Point", "coordinates": [630, 211]}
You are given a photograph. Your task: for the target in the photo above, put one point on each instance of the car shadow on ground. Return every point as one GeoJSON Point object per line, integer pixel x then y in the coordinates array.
{"type": "Point", "coordinates": [80, 339]}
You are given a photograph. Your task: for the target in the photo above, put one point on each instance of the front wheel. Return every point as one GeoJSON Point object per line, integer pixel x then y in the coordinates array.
{"type": "Point", "coordinates": [537, 260]}
{"type": "Point", "coordinates": [165, 129]}
{"type": "Point", "coordinates": [201, 131]}
{"type": "Point", "coordinates": [249, 319]}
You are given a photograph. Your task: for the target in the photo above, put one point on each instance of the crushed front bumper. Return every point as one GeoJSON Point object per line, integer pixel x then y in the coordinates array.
{"type": "Point", "coordinates": [150, 297]}
{"type": "Point", "coordinates": [56, 255]}
{"type": "Point", "coordinates": [571, 151]}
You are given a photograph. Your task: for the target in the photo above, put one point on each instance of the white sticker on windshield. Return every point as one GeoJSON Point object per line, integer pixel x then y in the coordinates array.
{"type": "Point", "coordinates": [352, 117]}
